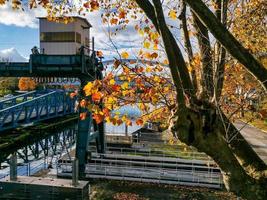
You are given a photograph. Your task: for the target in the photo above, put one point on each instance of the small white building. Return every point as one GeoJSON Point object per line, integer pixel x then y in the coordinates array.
{"type": "Point", "coordinates": [64, 39]}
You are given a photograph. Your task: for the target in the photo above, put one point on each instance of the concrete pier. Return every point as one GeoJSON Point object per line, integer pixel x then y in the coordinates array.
{"type": "Point", "coordinates": [34, 188]}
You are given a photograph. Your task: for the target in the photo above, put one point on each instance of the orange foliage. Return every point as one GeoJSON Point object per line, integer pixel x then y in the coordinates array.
{"type": "Point", "coordinates": [26, 84]}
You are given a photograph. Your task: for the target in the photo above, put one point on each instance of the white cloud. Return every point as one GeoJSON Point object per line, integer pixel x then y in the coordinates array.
{"type": "Point", "coordinates": [11, 55]}
{"type": "Point", "coordinates": [20, 18]}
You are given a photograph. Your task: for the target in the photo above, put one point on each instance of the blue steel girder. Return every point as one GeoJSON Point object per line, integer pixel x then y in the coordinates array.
{"type": "Point", "coordinates": [41, 65]}
{"type": "Point", "coordinates": [47, 106]}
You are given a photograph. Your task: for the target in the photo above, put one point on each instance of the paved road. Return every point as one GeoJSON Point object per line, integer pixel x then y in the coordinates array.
{"type": "Point", "coordinates": [256, 138]}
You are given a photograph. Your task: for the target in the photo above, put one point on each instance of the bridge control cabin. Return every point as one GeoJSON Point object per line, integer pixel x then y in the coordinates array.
{"type": "Point", "coordinates": [64, 39]}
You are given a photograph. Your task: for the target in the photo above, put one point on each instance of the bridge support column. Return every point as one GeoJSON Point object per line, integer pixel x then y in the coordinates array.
{"type": "Point", "coordinates": [75, 172]}
{"type": "Point", "coordinates": [13, 167]}
{"type": "Point", "coordinates": [100, 141]}
{"type": "Point", "coordinates": [84, 127]}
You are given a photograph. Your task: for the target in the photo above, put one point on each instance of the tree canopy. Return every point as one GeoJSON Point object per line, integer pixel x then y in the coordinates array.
{"type": "Point", "coordinates": [195, 57]}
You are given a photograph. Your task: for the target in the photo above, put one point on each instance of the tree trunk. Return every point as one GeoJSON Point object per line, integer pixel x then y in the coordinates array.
{"type": "Point", "coordinates": [198, 123]}
{"type": "Point", "coordinates": [202, 128]}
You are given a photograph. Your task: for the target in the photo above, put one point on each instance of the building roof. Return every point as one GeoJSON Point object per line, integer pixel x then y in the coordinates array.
{"type": "Point", "coordinates": [74, 17]}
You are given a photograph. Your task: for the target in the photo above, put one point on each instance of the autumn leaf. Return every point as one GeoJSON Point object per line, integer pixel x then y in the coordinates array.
{"type": "Point", "coordinates": [99, 54]}
{"type": "Point", "coordinates": [112, 82]}
{"type": "Point", "coordinates": [124, 55]}
{"type": "Point", "coordinates": [148, 69]}
{"type": "Point", "coordinates": [146, 44]}
{"type": "Point", "coordinates": [125, 86]}
{"type": "Point", "coordinates": [83, 115]}
{"type": "Point", "coordinates": [94, 5]}
{"type": "Point", "coordinates": [119, 122]}
{"type": "Point", "coordinates": [98, 118]}
{"type": "Point", "coordinates": [129, 122]}
{"type": "Point", "coordinates": [15, 4]}
{"type": "Point", "coordinates": [96, 97]}
{"type": "Point", "coordinates": [86, 4]}
{"type": "Point", "coordinates": [73, 94]}
{"type": "Point", "coordinates": [154, 55]}
{"type": "Point", "coordinates": [122, 14]}
{"type": "Point", "coordinates": [172, 14]}
{"type": "Point", "coordinates": [88, 88]}
{"type": "Point", "coordinates": [116, 88]}
{"type": "Point", "coordinates": [114, 21]}
{"type": "Point", "coordinates": [106, 112]}
{"type": "Point", "coordinates": [83, 103]}
{"type": "Point", "coordinates": [2, 2]}
{"type": "Point", "coordinates": [165, 62]}
{"type": "Point", "coordinates": [139, 122]}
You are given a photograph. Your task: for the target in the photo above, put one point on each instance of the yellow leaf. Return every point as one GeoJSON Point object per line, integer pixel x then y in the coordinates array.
{"type": "Point", "coordinates": [124, 118]}
{"type": "Point", "coordinates": [124, 55]}
{"type": "Point", "coordinates": [148, 69]}
{"type": "Point", "coordinates": [146, 44]}
{"type": "Point", "coordinates": [154, 35]}
{"type": "Point", "coordinates": [141, 32]}
{"type": "Point", "coordinates": [172, 14]}
{"type": "Point", "coordinates": [125, 85]}
{"type": "Point", "coordinates": [89, 89]}
{"type": "Point", "coordinates": [190, 68]}
{"type": "Point", "coordinates": [112, 82]}
{"type": "Point", "coordinates": [165, 62]}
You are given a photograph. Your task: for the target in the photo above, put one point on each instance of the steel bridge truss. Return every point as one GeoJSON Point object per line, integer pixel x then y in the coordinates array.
{"type": "Point", "coordinates": [38, 108]}
{"type": "Point", "coordinates": [85, 68]}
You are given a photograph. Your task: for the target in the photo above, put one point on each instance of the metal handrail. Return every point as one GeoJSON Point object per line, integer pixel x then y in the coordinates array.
{"type": "Point", "coordinates": [18, 96]}
{"type": "Point", "coordinates": [29, 101]}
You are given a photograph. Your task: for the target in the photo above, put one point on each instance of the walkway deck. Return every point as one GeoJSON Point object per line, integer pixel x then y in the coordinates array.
{"type": "Point", "coordinates": [256, 138]}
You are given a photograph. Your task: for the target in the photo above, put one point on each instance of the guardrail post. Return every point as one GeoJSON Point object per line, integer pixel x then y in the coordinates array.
{"type": "Point", "coordinates": [13, 167]}
{"type": "Point", "coordinates": [75, 172]}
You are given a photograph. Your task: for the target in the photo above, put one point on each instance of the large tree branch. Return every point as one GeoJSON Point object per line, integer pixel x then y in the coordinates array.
{"type": "Point", "coordinates": [206, 58]}
{"type": "Point", "coordinates": [188, 45]}
{"type": "Point", "coordinates": [229, 41]}
{"type": "Point", "coordinates": [220, 52]}
{"type": "Point", "coordinates": [177, 64]}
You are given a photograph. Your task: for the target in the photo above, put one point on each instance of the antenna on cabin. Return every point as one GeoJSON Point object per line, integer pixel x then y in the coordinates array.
{"type": "Point", "coordinates": [93, 44]}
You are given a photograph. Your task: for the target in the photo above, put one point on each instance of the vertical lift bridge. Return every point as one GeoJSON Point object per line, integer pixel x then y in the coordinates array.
{"type": "Point", "coordinates": [65, 52]}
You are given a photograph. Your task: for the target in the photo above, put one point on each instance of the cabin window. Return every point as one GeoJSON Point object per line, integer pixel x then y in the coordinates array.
{"type": "Point", "coordinates": [78, 38]}
{"type": "Point", "coordinates": [57, 37]}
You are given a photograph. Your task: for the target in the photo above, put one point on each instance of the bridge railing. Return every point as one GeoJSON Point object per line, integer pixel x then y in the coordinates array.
{"type": "Point", "coordinates": [193, 174]}
{"type": "Point", "coordinates": [7, 102]}
{"type": "Point", "coordinates": [44, 107]}
{"type": "Point", "coordinates": [154, 152]}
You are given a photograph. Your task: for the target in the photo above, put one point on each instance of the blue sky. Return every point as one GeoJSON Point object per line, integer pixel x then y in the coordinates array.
{"type": "Point", "coordinates": [21, 38]}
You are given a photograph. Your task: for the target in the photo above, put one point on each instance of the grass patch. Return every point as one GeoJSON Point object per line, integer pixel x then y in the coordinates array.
{"type": "Point", "coordinates": [122, 190]}
{"type": "Point", "coordinates": [178, 150]}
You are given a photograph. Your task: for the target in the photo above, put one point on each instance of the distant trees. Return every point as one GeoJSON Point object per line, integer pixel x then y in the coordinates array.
{"type": "Point", "coordinates": [7, 85]}
{"type": "Point", "coordinates": [26, 84]}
